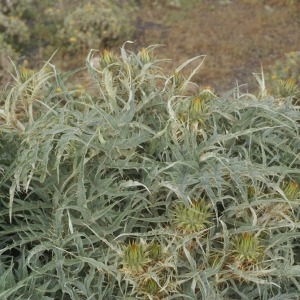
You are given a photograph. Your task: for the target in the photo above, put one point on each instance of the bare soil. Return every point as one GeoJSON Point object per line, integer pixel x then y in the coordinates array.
{"type": "Point", "coordinates": [238, 37]}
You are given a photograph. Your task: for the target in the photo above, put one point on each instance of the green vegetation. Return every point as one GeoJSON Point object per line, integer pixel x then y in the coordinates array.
{"type": "Point", "coordinates": [287, 68]}
{"type": "Point", "coordinates": [143, 186]}
{"type": "Point", "coordinates": [131, 181]}
{"type": "Point", "coordinates": [36, 29]}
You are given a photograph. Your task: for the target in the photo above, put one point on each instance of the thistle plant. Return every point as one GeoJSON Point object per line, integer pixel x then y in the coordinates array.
{"type": "Point", "coordinates": [203, 212]}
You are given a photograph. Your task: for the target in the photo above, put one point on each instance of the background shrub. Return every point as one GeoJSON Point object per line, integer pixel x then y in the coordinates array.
{"type": "Point", "coordinates": [35, 29]}
{"type": "Point", "coordinates": [103, 23]}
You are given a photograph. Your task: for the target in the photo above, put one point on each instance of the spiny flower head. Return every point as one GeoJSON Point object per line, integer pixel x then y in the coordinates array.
{"type": "Point", "coordinates": [291, 190]}
{"type": "Point", "coordinates": [246, 250]}
{"type": "Point", "coordinates": [107, 58]}
{"type": "Point", "coordinates": [135, 257]}
{"type": "Point", "coordinates": [192, 218]}
{"type": "Point", "coordinates": [25, 74]}
{"type": "Point", "coordinates": [145, 56]}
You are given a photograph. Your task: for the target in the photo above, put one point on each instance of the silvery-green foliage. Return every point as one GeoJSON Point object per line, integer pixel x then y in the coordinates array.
{"type": "Point", "coordinates": [90, 182]}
